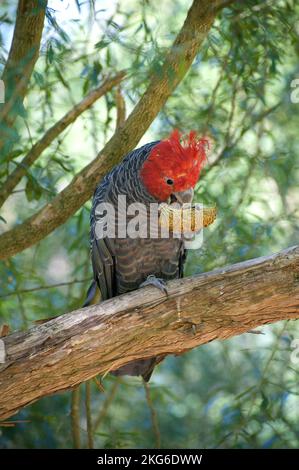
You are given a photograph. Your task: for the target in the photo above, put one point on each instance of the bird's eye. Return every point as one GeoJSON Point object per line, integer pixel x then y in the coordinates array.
{"type": "Point", "coordinates": [169, 181]}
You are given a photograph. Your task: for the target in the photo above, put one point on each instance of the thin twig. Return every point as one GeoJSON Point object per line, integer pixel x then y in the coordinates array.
{"type": "Point", "coordinates": [107, 402]}
{"type": "Point", "coordinates": [51, 286]}
{"type": "Point", "coordinates": [75, 417]}
{"type": "Point", "coordinates": [154, 416]}
{"type": "Point", "coordinates": [88, 414]}
{"type": "Point", "coordinates": [265, 369]}
{"type": "Point", "coordinates": [99, 385]}
{"type": "Point", "coordinates": [22, 310]}
{"type": "Point", "coordinates": [12, 424]}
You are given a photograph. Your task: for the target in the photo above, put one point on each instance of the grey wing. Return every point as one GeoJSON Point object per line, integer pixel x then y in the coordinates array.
{"type": "Point", "coordinates": [182, 260]}
{"type": "Point", "coordinates": [103, 264]}
{"type": "Point", "coordinates": [102, 248]}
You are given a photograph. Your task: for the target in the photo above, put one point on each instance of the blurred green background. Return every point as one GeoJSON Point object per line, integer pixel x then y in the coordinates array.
{"type": "Point", "coordinates": [242, 392]}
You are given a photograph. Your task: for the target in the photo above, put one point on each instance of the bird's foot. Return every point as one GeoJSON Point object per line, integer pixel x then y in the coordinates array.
{"type": "Point", "coordinates": [152, 280]}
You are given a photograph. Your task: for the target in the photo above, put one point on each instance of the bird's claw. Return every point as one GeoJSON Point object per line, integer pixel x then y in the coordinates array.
{"type": "Point", "coordinates": [152, 280]}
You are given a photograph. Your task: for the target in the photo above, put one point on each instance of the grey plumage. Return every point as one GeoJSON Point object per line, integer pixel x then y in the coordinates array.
{"type": "Point", "coordinates": [122, 264]}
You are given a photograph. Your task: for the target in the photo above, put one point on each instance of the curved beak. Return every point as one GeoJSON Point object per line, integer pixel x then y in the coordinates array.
{"type": "Point", "coordinates": [184, 197]}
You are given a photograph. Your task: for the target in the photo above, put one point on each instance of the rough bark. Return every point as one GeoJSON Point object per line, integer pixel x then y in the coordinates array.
{"type": "Point", "coordinates": [176, 64]}
{"type": "Point", "coordinates": [76, 346]}
{"type": "Point", "coordinates": [15, 177]}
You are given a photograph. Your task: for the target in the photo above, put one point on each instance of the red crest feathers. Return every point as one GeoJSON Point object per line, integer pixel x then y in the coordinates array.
{"type": "Point", "coordinates": [176, 158]}
{"type": "Point", "coordinates": [188, 148]}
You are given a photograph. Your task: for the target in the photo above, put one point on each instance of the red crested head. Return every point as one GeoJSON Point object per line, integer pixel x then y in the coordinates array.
{"type": "Point", "coordinates": [174, 164]}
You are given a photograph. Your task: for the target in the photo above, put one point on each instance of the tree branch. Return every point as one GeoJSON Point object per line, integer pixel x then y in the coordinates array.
{"type": "Point", "coordinates": [24, 52]}
{"type": "Point", "coordinates": [120, 108]}
{"type": "Point", "coordinates": [79, 345]}
{"type": "Point", "coordinates": [75, 418]}
{"type": "Point", "coordinates": [176, 64]}
{"type": "Point", "coordinates": [15, 177]}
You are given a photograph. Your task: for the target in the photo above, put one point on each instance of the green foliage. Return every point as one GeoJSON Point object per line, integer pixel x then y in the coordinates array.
{"type": "Point", "coordinates": [238, 393]}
